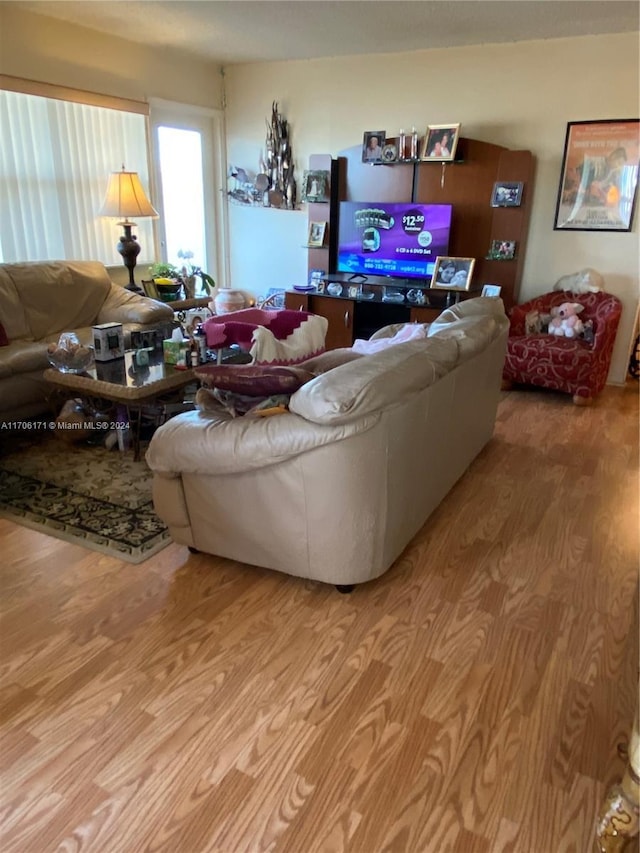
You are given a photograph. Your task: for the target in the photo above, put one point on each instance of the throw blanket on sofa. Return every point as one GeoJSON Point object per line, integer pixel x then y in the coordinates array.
{"type": "Point", "coordinates": [303, 342]}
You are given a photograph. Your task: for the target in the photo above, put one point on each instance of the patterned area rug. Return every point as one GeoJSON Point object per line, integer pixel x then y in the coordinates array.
{"type": "Point", "coordinates": [84, 494]}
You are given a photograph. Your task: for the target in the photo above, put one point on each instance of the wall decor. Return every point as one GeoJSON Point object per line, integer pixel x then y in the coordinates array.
{"type": "Point", "coordinates": [502, 250]}
{"type": "Point", "coordinates": [315, 186]}
{"type": "Point", "coordinates": [316, 234]}
{"type": "Point", "coordinates": [453, 273]}
{"type": "Point", "coordinates": [440, 142]}
{"type": "Point", "coordinates": [275, 184]}
{"type": "Point", "coordinates": [599, 177]}
{"type": "Point", "coordinates": [372, 145]}
{"type": "Point", "coordinates": [507, 194]}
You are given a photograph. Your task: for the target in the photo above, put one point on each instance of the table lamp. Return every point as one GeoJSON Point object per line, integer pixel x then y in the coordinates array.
{"type": "Point", "coordinates": [124, 198]}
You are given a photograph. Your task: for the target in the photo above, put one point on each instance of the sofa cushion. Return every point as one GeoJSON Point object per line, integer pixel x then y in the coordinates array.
{"type": "Point", "coordinates": [13, 316]}
{"type": "Point", "coordinates": [4, 340]}
{"type": "Point", "coordinates": [472, 334]}
{"type": "Point", "coordinates": [59, 296]}
{"type": "Point", "coordinates": [329, 360]}
{"type": "Point", "coordinates": [23, 357]}
{"type": "Point", "coordinates": [253, 380]}
{"type": "Point", "coordinates": [374, 382]}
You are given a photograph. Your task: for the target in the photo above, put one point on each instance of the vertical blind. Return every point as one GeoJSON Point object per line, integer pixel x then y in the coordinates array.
{"type": "Point", "coordinates": [55, 160]}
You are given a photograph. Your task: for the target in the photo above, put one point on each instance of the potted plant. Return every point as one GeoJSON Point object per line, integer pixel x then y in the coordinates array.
{"type": "Point", "coordinates": [168, 281]}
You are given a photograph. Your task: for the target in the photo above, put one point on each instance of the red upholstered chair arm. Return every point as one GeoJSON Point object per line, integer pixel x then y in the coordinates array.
{"type": "Point", "coordinates": [605, 324]}
{"type": "Point", "coordinates": [517, 315]}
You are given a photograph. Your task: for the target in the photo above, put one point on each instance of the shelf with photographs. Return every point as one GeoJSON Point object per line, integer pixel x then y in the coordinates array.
{"type": "Point", "coordinates": [438, 145]}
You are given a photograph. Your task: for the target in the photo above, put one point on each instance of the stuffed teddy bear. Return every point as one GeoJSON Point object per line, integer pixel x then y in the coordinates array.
{"type": "Point", "coordinates": [565, 321]}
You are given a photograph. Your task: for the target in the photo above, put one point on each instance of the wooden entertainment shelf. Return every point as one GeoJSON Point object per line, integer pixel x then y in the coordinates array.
{"type": "Point", "coordinates": [467, 183]}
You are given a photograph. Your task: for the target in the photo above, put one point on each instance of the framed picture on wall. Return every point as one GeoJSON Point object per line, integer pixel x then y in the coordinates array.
{"type": "Point", "coordinates": [453, 273]}
{"type": "Point", "coordinates": [440, 142]}
{"type": "Point", "coordinates": [599, 176]}
{"type": "Point", "coordinates": [315, 186]}
{"type": "Point", "coordinates": [507, 194]}
{"type": "Point", "coordinates": [502, 250]}
{"type": "Point", "coordinates": [372, 145]}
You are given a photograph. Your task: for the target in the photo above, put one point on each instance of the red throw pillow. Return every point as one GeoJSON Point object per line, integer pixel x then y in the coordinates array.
{"type": "Point", "coordinates": [253, 380]}
{"type": "Point", "coordinates": [4, 340]}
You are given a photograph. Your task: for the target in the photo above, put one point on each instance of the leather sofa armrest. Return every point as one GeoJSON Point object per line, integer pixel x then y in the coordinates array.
{"type": "Point", "coordinates": [122, 306]}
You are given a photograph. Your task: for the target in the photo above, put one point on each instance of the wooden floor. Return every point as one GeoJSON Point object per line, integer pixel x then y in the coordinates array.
{"type": "Point", "coordinates": [470, 700]}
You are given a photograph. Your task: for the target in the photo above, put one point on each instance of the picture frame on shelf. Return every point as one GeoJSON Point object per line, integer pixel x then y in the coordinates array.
{"type": "Point", "coordinates": [507, 194]}
{"type": "Point", "coordinates": [502, 250]}
{"type": "Point", "coordinates": [315, 186]}
{"type": "Point", "coordinates": [372, 144]}
{"type": "Point", "coordinates": [452, 273]}
{"type": "Point", "coordinates": [316, 276]}
{"type": "Point", "coordinates": [317, 232]}
{"type": "Point", "coordinates": [599, 176]}
{"type": "Point", "coordinates": [320, 286]}
{"type": "Point", "coordinates": [440, 142]}
{"type": "Point", "coordinates": [353, 291]}
{"type": "Point", "coordinates": [492, 291]}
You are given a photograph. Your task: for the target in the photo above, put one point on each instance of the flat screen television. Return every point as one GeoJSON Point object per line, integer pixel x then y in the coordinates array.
{"type": "Point", "coordinates": [393, 239]}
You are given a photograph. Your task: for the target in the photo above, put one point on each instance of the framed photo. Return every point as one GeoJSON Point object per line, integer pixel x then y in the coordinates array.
{"type": "Point", "coordinates": [315, 186]}
{"type": "Point", "coordinates": [372, 145]}
{"type": "Point", "coordinates": [491, 290]}
{"type": "Point", "coordinates": [440, 142]}
{"type": "Point", "coordinates": [353, 291]}
{"type": "Point", "coordinates": [507, 194]}
{"type": "Point", "coordinates": [502, 250]}
{"type": "Point", "coordinates": [320, 287]}
{"type": "Point", "coordinates": [150, 289]}
{"type": "Point", "coordinates": [316, 234]}
{"type": "Point", "coordinates": [599, 177]}
{"type": "Point", "coordinates": [316, 276]}
{"type": "Point", "coordinates": [453, 273]}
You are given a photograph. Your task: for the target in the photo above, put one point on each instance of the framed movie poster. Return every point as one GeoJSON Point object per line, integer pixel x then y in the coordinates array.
{"type": "Point", "coordinates": [599, 178]}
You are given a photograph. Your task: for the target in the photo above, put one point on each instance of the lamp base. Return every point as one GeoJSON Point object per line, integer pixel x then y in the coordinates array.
{"type": "Point", "coordinates": [129, 248]}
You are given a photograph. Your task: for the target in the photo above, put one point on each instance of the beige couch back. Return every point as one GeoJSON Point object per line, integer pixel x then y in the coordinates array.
{"type": "Point", "coordinates": [38, 299]}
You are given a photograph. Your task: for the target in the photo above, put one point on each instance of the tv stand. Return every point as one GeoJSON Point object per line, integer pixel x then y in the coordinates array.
{"type": "Point", "coordinates": [351, 316]}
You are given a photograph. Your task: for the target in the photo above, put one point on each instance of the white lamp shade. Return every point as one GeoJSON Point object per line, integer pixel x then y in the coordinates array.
{"type": "Point", "coordinates": [125, 197]}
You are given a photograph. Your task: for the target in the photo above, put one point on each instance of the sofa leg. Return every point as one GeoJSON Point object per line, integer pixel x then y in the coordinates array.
{"type": "Point", "coordinates": [345, 588]}
{"type": "Point", "coordinates": [192, 549]}
{"type": "Point", "coordinates": [582, 401]}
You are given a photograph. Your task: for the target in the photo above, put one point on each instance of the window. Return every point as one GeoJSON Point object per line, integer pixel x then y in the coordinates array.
{"type": "Point", "coordinates": [188, 156]}
{"type": "Point", "coordinates": [55, 159]}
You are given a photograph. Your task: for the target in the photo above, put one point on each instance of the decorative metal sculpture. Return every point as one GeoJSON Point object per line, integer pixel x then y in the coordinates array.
{"type": "Point", "coordinates": [274, 185]}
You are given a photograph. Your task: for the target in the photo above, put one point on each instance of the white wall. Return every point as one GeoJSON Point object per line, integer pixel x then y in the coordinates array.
{"type": "Point", "coordinates": [518, 95]}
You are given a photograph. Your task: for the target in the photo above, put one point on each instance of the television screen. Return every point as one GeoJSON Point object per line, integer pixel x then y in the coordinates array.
{"type": "Point", "coordinates": [395, 239]}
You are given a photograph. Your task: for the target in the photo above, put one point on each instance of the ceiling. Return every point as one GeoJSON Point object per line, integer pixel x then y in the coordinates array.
{"type": "Point", "coordinates": [233, 31]}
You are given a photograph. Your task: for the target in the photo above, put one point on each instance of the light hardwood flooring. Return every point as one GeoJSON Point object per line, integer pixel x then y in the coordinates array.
{"type": "Point", "coordinates": [470, 700]}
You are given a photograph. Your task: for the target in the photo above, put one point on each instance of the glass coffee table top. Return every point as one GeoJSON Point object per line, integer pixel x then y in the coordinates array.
{"type": "Point", "coordinates": [123, 379]}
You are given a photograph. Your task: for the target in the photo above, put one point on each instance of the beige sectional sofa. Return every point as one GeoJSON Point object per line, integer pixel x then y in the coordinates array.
{"type": "Point", "coordinates": [38, 301]}
{"type": "Point", "coordinates": [335, 488]}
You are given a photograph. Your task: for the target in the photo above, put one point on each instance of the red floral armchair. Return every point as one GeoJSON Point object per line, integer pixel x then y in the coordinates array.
{"type": "Point", "coordinates": [575, 365]}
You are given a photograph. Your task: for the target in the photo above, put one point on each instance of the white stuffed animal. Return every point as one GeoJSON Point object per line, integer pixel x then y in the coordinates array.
{"type": "Point", "coordinates": [585, 281]}
{"type": "Point", "coordinates": [565, 322]}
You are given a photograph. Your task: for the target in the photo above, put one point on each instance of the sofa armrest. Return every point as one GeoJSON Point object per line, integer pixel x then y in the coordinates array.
{"type": "Point", "coordinates": [122, 306]}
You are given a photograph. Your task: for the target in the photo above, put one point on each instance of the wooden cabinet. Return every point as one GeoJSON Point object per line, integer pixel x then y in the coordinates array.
{"type": "Point", "coordinates": [424, 315]}
{"type": "Point", "coordinates": [339, 313]}
{"type": "Point", "coordinates": [350, 319]}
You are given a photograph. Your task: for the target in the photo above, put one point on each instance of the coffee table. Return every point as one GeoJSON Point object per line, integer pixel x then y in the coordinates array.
{"type": "Point", "coordinates": [121, 383]}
